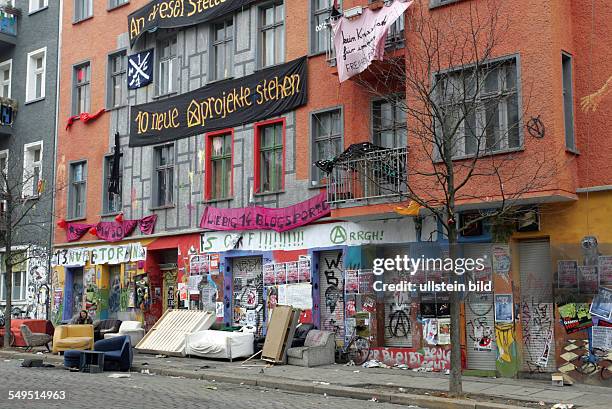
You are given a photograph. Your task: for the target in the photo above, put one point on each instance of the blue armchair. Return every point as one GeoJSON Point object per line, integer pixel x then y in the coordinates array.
{"type": "Point", "coordinates": [117, 353]}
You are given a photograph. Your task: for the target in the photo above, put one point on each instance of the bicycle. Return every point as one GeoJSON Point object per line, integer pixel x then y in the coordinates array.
{"type": "Point", "coordinates": [589, 363]}
{"type": "Point", "coordinates": [356, 350]}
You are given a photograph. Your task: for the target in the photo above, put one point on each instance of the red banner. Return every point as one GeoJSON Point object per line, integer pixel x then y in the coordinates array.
{"type": "Point", "coordinates": [266, 218]}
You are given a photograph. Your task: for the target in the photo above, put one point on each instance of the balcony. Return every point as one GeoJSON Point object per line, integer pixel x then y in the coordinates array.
{"type": "Point", "coordinates": [373, 177]}
{"type": "Point", "coordinates": [8, 26]}
{"type": "Point", "coordinates": [8, 110]}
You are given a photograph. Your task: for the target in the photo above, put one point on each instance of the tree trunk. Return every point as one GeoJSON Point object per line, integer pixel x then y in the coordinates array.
{"type": "Point", "coordinates": [8, 285]}
{"type": "Point", "coordinates": [455, 384]}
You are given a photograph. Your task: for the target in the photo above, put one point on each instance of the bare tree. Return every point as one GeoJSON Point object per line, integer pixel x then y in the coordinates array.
{"type": "Point", "coordinates": [467, 115]}
{"type": "Point", "coordinates": [25, 226]}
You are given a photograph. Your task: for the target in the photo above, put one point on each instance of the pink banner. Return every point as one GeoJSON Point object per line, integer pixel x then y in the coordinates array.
{"type": "Point", "coordinates": [147, 224]}
{"type": "Point", "coordinates": [359, 41]}
{"type": "Point", "coordinates": [75, 231]}
{"type": "Point", "coordinates": [115, 231]}
{"type": "Point", "coordinates": [265, 218]}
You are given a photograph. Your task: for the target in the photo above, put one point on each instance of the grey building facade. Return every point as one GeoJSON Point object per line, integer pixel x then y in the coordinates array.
{"type": "Point", "coordinates": [29, 32]}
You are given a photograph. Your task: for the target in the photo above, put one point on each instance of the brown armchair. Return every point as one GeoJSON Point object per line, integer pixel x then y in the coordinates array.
{"type": "Point", "coordinates": [33, 339]}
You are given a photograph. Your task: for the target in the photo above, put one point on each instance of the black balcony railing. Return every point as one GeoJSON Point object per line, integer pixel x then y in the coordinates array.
{"type": "Point", "coordinates": [375, 175]}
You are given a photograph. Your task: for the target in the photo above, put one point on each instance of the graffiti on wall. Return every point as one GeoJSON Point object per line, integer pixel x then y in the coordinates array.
{"type": "Point", "coordinates": [39, 293]}
{"type": "Point", "coordinates": [507, 350]}
{"type": "Point", "coordinates": [114, 298]}
{"type": "Point", "coordinates": [331, 277]}
{"type": "Point", "coordinates": [428, 358]}
{"type": "Point", "coordinates": [481, 333]}
{"type": "Point", "coordinates": [537, 320]}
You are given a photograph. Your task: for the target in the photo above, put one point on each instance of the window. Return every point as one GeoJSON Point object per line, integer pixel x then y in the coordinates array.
{"type": "Point", "coordinates": [269, 156]}
{"type": "Point", "coordinates": [219, 146]}
{"type": "Point", "coordinates": [83, 9]}
{"type": "Point", "coordinates": [117, 80]}
{"type": "Point", "coordinates": [32, 169]}
{"type": "Point", "coordinates": [167, 66]}
{"type": "Point", "coordinates": [36, 5]}
{"type": "Point", "coordinates": [19, 286]}
{"type": "Point", "coordinates": [568, 101]}
{"type": "Point", "coordinates": [77, 191]}
{"type": "Point", "coordinates": [320, 30]}
{"type": "Point", "coordinates": [6, 72]}
{"type": "Point", "coordinates": [164, 176]}
{"type": "Point", "coordinates": [327, 142]}
{"type": "Point", "coordinates": [81, 92]}
{"type": "Point", "coordinates": [389, 123]}
{"type": "Point", "coordinates": [223, 51]}
{"type": "Point", "coordinates": [480, 108]}
{"type": "Point", "coordinates": [116, 3]}
{"type": "Point", "coordinates": [112, 201]}
{"type": "Point", "coordinates": [35, 80]}
{"type": "Point", "coordinates": [272, 34]}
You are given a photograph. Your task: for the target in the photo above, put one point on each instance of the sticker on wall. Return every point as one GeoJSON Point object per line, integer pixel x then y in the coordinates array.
{"type": "Point", "coordinates": [219, 310]}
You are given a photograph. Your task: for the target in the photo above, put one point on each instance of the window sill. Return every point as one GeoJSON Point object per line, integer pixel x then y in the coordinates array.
{"type": "Point", "coordinates": [164, 207]}
{"type": "Point", "coordinates": [110, 214]}
{"type": "Point", "coordinates": [317, 186]}
{"type": "Point", "coordinates": [118, 7]}
{"type": "Point", "coordinates": [260, 68]}
{"type": "Point", "coordinates": [212, 201]}
{"type": "Point", "coordinates": [76, 219]}
{"type": "Point", "coordinates": [441, 3]}
{"type": "Point", "coordinates": [484, 155]}
{"type": "Point", "coordinates": [275, 192]}
{"type": "Point", "coordinates": [31, 13]}
{"type": "Point", "coordinates": [313, 54]}
{"type": "Point", "coordinates": [31, 197]}
{"type": "Point", "coordinates": [74, 22]}
{"type": "Point", "coordinates": [109, 109]}
{"type": "Point", "coordinates": [170, 94]}
{"type": "Point", "coordinates": [33, 101]}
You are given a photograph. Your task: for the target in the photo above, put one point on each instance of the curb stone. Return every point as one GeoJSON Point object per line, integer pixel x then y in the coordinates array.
{"type": "Point", "coordinates": [271, 382]}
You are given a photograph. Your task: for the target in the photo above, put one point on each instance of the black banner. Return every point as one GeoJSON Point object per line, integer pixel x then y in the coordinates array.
{"type": "Point", "coordinates": [178, 13]}
{"type": "Point", "coordinates": [225, 104]}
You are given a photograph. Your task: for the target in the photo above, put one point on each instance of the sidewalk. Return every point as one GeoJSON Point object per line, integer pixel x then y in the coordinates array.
{"type": "Point", "coordinates": [391, 385]}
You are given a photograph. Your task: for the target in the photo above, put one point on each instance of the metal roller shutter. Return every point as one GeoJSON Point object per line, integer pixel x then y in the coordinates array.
{"type": "Point", "coordinates": [247, 276]}
{"type": "Point", "coordinates": [331, 284]}
{"type": "Point", "coordinates": [536, 312]}
{"type": "Point", "coordinates": [479, 318]}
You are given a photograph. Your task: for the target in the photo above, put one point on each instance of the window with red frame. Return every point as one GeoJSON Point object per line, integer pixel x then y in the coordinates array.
{"type": "Point", "coordinates": [270, 156]}
{"type": "Point", "coordinates": [219, 166]}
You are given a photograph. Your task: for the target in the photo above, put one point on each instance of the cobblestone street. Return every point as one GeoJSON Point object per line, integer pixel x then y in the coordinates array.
{"type": "Point", "coordinates": [151, 392]}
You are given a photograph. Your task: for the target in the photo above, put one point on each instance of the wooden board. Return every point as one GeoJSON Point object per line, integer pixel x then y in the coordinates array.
{"type": "Point", "coordinates": [276, 335]}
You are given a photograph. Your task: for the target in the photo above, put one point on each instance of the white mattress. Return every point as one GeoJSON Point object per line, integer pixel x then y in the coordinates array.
{"type": "Point", "coordinates": [219, 344]}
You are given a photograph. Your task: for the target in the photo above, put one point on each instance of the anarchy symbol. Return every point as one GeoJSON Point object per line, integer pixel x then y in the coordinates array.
{"type": "Point", "coordinates": [536, 128]}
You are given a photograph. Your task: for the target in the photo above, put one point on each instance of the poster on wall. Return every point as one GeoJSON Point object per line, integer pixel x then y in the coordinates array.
{"type": "Point", "coordinates": [214, 262]}
{"type": "Point", "coordinates": [602, 304]}
{"type": "Point", "coordinates": [575, 317]}
{"type": "Point", "coordinates": [198, 264]}
{"type": "Point", "coordinates": [292, 272]}
{"type": "Point", "coordinates": [602, 338]}
{"type": "Point", "coordinates": [500, 254]}
{"type": "Point", "coordinates": [430, 331]}
{"type": "Point", "coordinates": [483, 337]}
{"type": "Point", "coordinates": [219, 310]}
{"type": "Point", "coordinates": [194, 284]}
{"type": "Point", "coordinates": [504, 308]}
{"type": "Point", "coordinates": [269, 277]}
{"type": "Point", "coordinates": [605, 270]}
{"type": "Point", "coordinates": [143, 294]}
{"type": "Point", "coordinates": [588, 279]}
{"type": "Point", "coordinates": [444, 331]}
{"type": "Point", "coordinates": [304, 270]}
{"type": "Point", "coordinates": [140, 69]}
{"type": "Point", "coordinates": [280, 273]}
{"type": "Point", "coordinates": [298, 295]}
{"type": "Point", "coordinates": [567, 273]}
{"type": "Point", "coordinates": [351, 281]}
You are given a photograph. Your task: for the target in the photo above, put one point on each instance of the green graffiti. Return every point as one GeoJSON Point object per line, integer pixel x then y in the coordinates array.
{"type": "Point", "coordinates": [124, 298]}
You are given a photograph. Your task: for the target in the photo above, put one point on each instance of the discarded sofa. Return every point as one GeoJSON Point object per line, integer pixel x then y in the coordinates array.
{"type": "Point", "coordinates": [77, 337]}
{"type": "Point", "coordinates": [319, 349]}
{"type": "Point", "coordinates": [133, 329]}
{"type": "Point", "coordinates": [104, 327]}
{"type": "Point", "coordinates": [219, 344]}
{"type": "Point", "coordinates": [35, 339]}
{"type": "Point", "coordinates": [118, 353]}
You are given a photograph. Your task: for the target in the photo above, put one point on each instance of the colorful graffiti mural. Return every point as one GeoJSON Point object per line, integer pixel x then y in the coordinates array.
{"type": "Point", "coordinates": [428, 358]}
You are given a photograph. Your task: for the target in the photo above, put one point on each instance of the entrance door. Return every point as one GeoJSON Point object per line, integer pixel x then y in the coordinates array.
{"type": "Point", "coordinates": [479, 315]}
{"type": "Point", "coordinates": [537, 314]}
{"type": "Point", "coordinates": [331, 277]}
{"type": "Point", "coordinates": [247, 275]}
